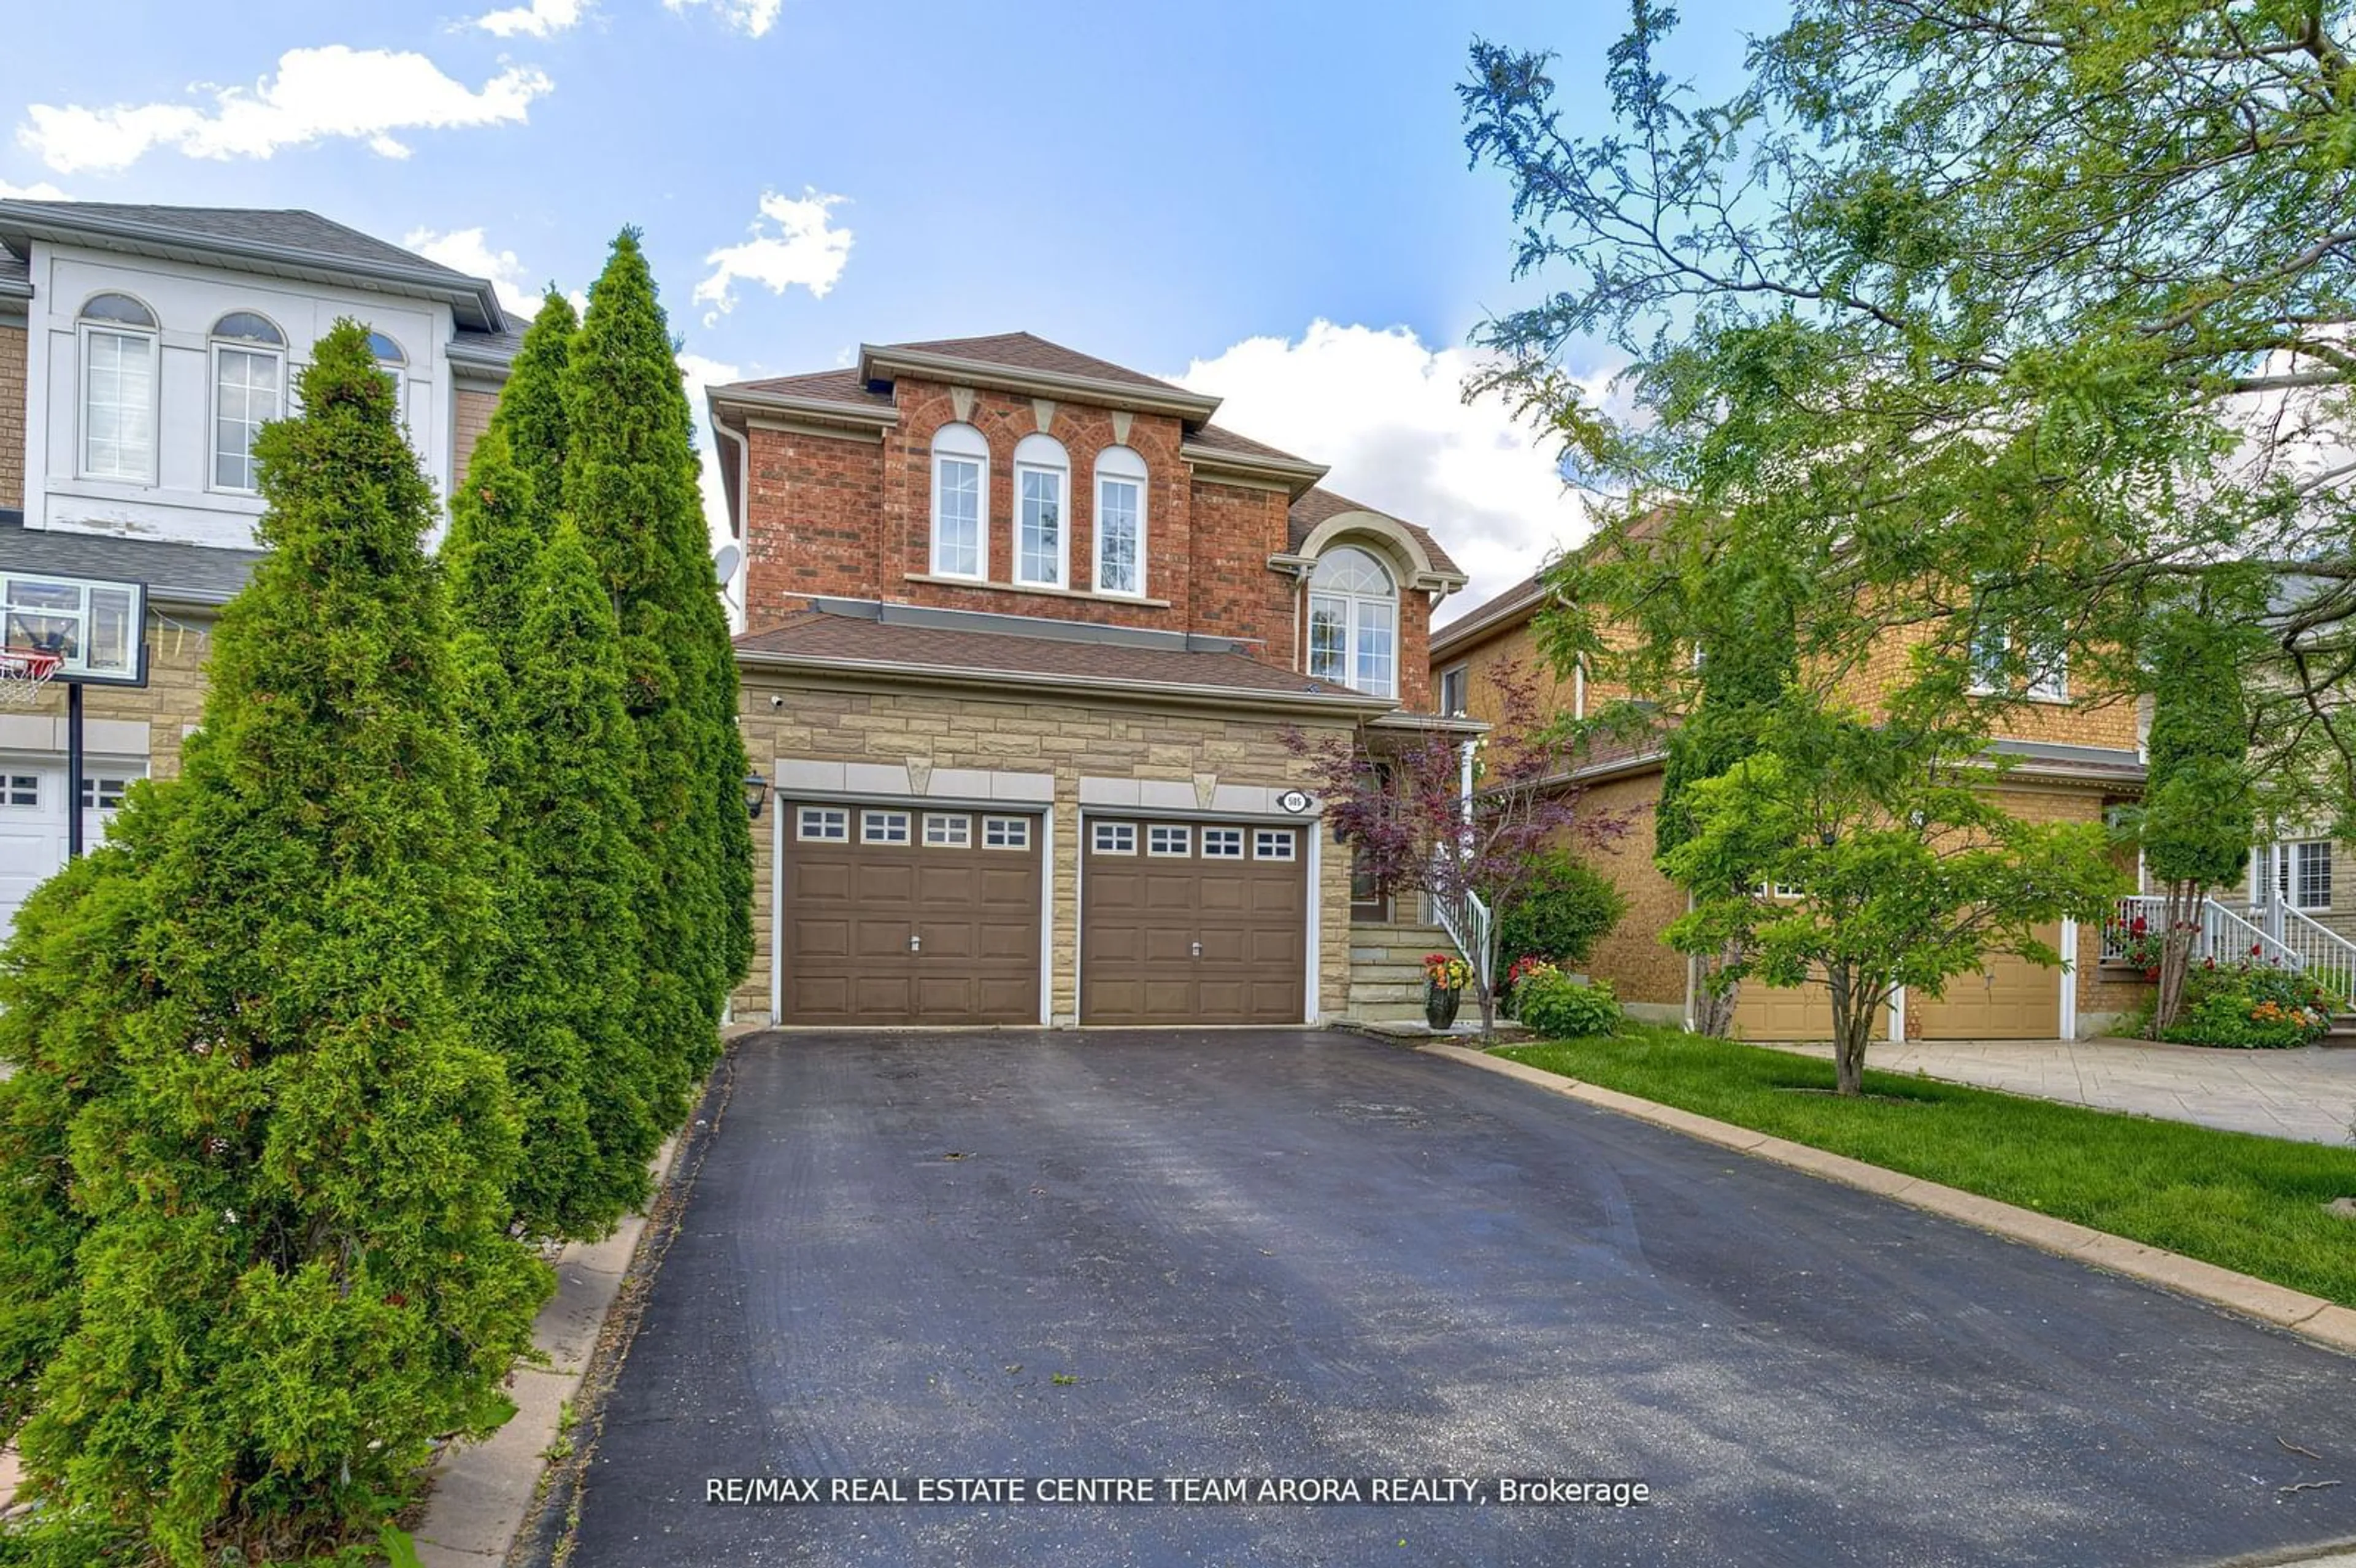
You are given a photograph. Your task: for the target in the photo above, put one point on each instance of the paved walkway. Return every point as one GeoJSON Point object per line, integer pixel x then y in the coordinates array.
{"type": "Point", "coordinates": [2307, 1094]}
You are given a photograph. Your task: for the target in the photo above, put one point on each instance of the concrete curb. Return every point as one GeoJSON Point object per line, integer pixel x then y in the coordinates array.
{"type": "Point", "coordinates": [483, 1492]}
{"type": "Point", "coordinates": [2310, 1317]}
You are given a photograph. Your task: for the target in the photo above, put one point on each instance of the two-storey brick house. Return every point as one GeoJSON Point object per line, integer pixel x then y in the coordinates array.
{"type": "Point", "coordinates": [141, 349]}
{"type": "Point", "coordinates": [1025, 634]}
{"type": "Point", "coordinates": [2072, 756]}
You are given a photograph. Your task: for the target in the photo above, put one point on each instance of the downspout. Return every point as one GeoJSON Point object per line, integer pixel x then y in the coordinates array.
{"type": "Point", "coordinates": [741, 611]}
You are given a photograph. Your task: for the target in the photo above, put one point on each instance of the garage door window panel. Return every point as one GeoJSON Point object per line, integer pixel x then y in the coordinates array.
{"type": "Point", "coordinates": [1114, 838]}
{"type": "Point", "coordinates": [1223, 843]}
{"type": "Point", "coordinates": [25, 790]}
{"type": "Point", "coordinates": [952, 832]}
{"type": "Point", "coordinates": [1006, 833]}
{"type": "Point", "coordinates": [884, 827]}
{"type": "Point", "coordinates": [824, 825]}
{"type": "Point", "coordinates": [1165, 842]}
{"type": "Point", "coordinates": [1274, 844]}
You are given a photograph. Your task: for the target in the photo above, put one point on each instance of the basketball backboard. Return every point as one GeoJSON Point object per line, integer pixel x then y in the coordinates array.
{"type": "Point", "coordinates": [96, 628]}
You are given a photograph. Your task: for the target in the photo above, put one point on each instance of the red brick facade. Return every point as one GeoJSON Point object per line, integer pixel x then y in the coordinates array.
{"type": "Point", "coordinates": [850, 517]}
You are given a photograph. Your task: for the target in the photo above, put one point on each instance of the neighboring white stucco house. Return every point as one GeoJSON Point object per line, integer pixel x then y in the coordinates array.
{"type": "Point", "coordinates": [141, 349]}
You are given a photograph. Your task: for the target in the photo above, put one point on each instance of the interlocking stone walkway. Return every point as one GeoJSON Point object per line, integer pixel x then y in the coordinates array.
{"type": "Point", "coordinates": [2308, 1095]}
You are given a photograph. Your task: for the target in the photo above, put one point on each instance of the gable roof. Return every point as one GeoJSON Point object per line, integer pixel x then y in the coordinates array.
{"type": "Point", "coordinates": [1493, 614]}
{"type": "Point", "coordinates": [1027, 351]}
{"type": "Point", "coordinates": [848, 389]}
{"type": "Point", "coordinates": [291, 241]}
{"type": "Point", "coordinates": [857, 637]}
{"type": "Point", "coordinates": [1319, 505]}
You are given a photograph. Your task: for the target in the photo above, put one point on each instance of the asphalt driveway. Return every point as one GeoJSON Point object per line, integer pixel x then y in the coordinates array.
{"type": "Point", "coordinates": [1305, 1256]}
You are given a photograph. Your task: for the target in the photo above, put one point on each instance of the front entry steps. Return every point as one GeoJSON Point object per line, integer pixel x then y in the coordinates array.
{"type": "Point", "coordinates": [1386, 970]}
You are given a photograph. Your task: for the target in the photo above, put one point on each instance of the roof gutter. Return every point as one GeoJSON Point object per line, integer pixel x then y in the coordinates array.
{"type": "Point", "coordinates": [953, 675]}
{"type": "Point", "coordinates": [878, 363]}
{"type": "Point", "coordinates": [41, 221]}
{"type": "Point", "coordinates": [753, 401]}
{"type": "Point", "coordinates": [1294, 473]}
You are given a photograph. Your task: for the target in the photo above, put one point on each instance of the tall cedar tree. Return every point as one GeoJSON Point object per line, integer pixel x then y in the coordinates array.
{"type": "Point", "coordinates": [2198, 804]}
{"type": "Point", "coordinates": [286, 1152]}
{"type": "Point", "coordinates": [541, 659]}
{"type": "Point", "coordinates": [531, 405]}
{"type": "Point", "coordinates": [630, 485]}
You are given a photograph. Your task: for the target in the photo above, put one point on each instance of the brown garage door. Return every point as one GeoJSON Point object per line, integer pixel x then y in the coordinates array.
{"type": "Point", "coordinates": [904, 916]}
{"type": "Point", "coordinates": [1193, 923]}
{"type": "Point", "coordinates": [2004, 998]}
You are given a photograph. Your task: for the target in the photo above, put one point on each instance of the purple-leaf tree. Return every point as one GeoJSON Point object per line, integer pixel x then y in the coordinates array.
{"type": "Point", "coordinates": [1476, 840]}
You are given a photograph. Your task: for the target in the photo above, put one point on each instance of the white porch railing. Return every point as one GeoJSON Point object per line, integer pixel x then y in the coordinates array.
{"type": "Point", "coordinates": [2230, 939]}
{"type": "Point", "coordinates": [1467, 926]}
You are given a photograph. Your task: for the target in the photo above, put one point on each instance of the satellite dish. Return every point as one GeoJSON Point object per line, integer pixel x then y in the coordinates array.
{"type": "Point", "coordinates": [724, 562]}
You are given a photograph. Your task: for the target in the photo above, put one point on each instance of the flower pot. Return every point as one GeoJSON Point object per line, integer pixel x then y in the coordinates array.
{"type": "Point", "coordinates": [1440, 1005]}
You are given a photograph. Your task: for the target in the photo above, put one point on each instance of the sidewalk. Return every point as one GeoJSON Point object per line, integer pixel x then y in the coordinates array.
{"type": "Point", "coordinates": [2307, 1094]}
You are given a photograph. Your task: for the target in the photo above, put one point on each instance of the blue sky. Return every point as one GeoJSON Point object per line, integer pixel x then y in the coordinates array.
{"type": "Point", "coordinates": [1268, 200]}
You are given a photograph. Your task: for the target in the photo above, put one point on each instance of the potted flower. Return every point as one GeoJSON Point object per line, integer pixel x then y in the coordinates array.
{"type": "Point", "coordinates": [1444, 979]}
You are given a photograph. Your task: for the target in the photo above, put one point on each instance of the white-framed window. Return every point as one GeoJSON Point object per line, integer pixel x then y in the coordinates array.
{"type": "Point", "coordinates": [1042, 478]}
{"type": "Point", "coordinates": [1353, 622]}
{"type": "Point", "coordinates": [103, 792]}
{"type": "Point", "coordinates": [1784, 892]}
{"type": "Point", "coordinates": [1120, 522]}
{"type": "Point", "coordinates": [2303, 874]}
{"type": "Point", "coordinates": [1454, 684]}
{"type": "Point", "coordinates": [960, 502]}
{"type": "Point", "coordinates": [394, 360]}
{"type": "Point", "coordinates": [20, 789]}
{"type": "Point", "coordinates": [822, 825]}
{"type": "Point", "coordinates": [883, 827]}
{"type": "Point", "coordinates": [1113, 837]}
{"type": "Point", "coordinates": [2046, 667]}
{"type": "Point", "coordinates": [954, 831]}
{"type": "Point", "coordinates": [1168, 841]}
{"type": "Point", "coordinates": [1006, 833]}
{"type": "Point", "coordinates": [1223, 843]}
{"type": "Point", "coordinates": [1274, 843]}
{"type": "Point", "coordinates": [249, 379]}
{"type": "Point", "coordinates": [118, 337]}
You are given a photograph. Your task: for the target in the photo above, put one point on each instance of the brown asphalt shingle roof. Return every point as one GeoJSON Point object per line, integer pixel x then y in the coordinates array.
{"type": "Point", "coordinates": [844, 386]}
{"type": "Point", "coordinates": [1218, 438]}
{"type": "Point", "coordinates": [1316, 505]}
{"type": "Point", "coordinates": [1024, 351]}
{"type": "Point", "coordinates": [851, 640]}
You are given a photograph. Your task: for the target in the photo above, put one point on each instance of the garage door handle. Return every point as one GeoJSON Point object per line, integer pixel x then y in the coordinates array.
{"type": "Point", "coordinates": [1198, 950]}
{"type": "Point", "coordinates": [915, 942]}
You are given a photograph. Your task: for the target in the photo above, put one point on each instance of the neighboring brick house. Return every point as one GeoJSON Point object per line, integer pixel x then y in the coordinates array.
{"type": "Point", "coordinates": [1025, 633]}
{"type": "Point", "coordinates": [140, 350]}
{"type": "Point", "coordinates": [2074, 758]}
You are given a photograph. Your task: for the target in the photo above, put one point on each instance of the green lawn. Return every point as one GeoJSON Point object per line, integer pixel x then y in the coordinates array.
{"type": "Point", "coordinates": [2241, 1201]}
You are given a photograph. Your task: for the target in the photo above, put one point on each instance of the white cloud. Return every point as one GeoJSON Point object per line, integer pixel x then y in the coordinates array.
{"type": "Point", "coordinates": [536, 20]}
{"type": "Point", "coordinates": [41, 192]}
{"type": "Point", "coordinates": [471, 253]}
{"type": "Point", "coordinates": [335, 91]}
{"type": "Point", "coordinates": [804, 249]}
{"type": "Point", "coordinates": [750, 17]}
{"type": "Point", "coordinates": [1389, 415]}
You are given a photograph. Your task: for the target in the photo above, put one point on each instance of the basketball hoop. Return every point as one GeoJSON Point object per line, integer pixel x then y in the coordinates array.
{"type": "Point", "coordinates": [24, 673]}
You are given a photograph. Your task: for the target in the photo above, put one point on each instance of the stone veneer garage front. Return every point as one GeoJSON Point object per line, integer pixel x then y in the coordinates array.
{"type": "Point", "coordinates": [868, 738]}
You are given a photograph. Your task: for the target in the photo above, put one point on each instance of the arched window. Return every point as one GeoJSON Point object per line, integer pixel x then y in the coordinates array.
{"type": "Point", "coordinates": [1353, 622]}
{"type": "Point", "coordinates": [386, 350]}
{"type": "Point", "coordinates": [117, 337]}
{"type": "Point", "coordinates": [1120, 521]}
{"type": "Point", "coordinates": [960, 502]}
{"type": "Point", "coordinates": [1042, 479]}
{"type": "Point", "coordinates": [249, 380]}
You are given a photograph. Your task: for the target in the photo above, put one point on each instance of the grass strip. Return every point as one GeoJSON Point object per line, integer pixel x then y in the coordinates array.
{"type": "Point", "coordinates": [2241, 1201]}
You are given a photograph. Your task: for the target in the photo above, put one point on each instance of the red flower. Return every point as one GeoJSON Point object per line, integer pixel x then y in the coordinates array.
{"type": "Point", "coordinates": [2138, 925]}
